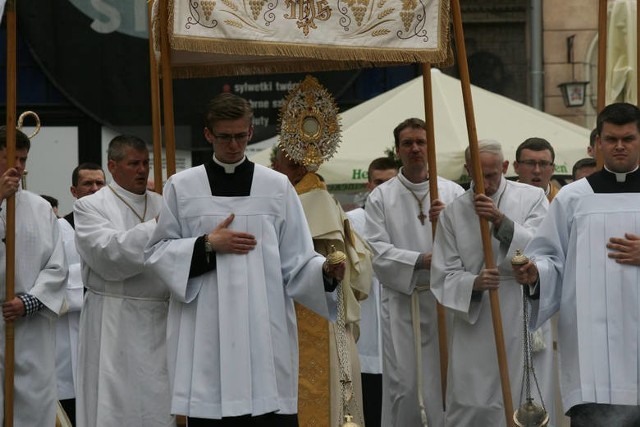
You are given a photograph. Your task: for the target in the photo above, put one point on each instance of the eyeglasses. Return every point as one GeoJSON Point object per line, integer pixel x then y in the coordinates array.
{"type": "Point", "coordinates": [543, 164]}
{"type": "Point", "coordinates": [226, 138]}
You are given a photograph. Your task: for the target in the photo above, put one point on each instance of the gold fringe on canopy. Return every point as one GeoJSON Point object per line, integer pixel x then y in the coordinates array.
{"type": "Point", "coordinates": [223, 37]}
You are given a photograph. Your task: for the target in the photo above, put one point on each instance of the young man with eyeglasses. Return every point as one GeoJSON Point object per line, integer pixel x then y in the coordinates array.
{"type": "Point", "coordinates": [535, 165]}
{"type": "Point", "coordinates": [233, 245]}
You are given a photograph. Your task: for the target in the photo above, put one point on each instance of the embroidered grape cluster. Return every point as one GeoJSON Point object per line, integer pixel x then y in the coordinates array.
{"type": "Point", "coordinates": [407, 19]}
{"type": "Point", "coordinates": [256, 7]}
{"type": "Point", "coordinates": [358, 13]}
{"type": "Point", "coordinates": [207, 8]}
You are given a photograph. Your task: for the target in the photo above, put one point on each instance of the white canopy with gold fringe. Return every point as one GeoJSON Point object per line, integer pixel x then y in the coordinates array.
{"type": "Point", "coordinates": [238, 37]}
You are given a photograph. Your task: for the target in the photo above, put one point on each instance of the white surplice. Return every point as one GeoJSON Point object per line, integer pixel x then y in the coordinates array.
{"type": "Point", "coordinates": [474, 392]}
{"type": "Point", "coordinates": [370, 341]}
{"type": "Point", "coordinates": [232, 336]}
{"type": "Point", "coordinates": [41, 271]}
{"type": "Point", "coordinates": [67, 324]}
{"type": "Point", "coordinates": [398, 238]}
{"type": "Point", "coordinates": [598, 299]}
{"type": "Point", "coordinates": [122, 369]}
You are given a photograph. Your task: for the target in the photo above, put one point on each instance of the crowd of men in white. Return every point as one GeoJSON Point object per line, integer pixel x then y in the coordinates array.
{"type": "Point", "coordinates": [150, 306]}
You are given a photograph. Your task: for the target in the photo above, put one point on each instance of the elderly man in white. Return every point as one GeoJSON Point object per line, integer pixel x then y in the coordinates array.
{"type": "Point", "coordinates": [460, 281]}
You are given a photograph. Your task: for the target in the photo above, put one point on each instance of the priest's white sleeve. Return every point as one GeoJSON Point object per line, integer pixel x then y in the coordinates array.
{"type": "Point", "coordinates": [50, 281]}
{"type": "Point", "coordinates": [301, 266]}
{"type": "Point", "coordinates": [394, 267]}
{"type": "Point", "coordinates": [451, 283]}
{"type": "Point", "coordinates": [548, 249]}
{"type": "Point", "coordinates": [524, 232]}
{"type": "Point", "coordinates": [113, 253]}
{"type": "Point", "coordinates": [168, 253]}
{"type": "Point", "coordinates": [74, 286]}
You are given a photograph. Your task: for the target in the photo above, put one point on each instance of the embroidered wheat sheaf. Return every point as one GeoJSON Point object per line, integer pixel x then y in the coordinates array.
{"type": "Point", "coordinates": [233, 23]}
{"type": "Point", "coordinates": [385, 12]}
{"type": "Point", "coordinates": [380, 32]}
{"type": "Point", "coordinates": [230, 5]}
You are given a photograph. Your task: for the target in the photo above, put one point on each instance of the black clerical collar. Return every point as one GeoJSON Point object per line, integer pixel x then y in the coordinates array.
{"type": "Point", "coordinates": [605, 181]}
{"type": "Point", "coordinates": [621, 176]}
{"type": "Point", "coordinates": [234, 184]}
{"type": "Point", "coordinates": [228, 167]}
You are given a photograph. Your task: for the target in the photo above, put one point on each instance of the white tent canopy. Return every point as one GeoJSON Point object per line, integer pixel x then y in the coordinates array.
{"type": "Point", "coordinates": [367, 130]}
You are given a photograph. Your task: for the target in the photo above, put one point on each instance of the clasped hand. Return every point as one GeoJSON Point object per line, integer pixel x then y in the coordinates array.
{"type": "Point", "coordinates": [9, 183]}
{"type": "Point", "coordinates": [526, 274]}
{"type": "Point", "coordinates": [485, 208]}
{"type": "Point", "coordinates": [335, 271]}
{"type": "Point", "coordinates": [487, 280]}
{"type": "Point", "coordinates": [434, 211]}
{"type": "Point", "coordinates": [13, 309]}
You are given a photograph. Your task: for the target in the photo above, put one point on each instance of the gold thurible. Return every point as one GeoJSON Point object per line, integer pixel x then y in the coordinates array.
{"type": "Point", "coordinates": [519, 258]}
{"type": "Point", "coordinates": [348, 421]}
{"type": "Point", "coordinates": [529, 414]}
{"type": "Point", "coordinates": [335, 256]}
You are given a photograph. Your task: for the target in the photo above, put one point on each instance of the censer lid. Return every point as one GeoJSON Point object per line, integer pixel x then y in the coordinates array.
{"type": "Point", "coordinates": [531, 415]}
{"type": "Point", "coordinates": [349, 422]}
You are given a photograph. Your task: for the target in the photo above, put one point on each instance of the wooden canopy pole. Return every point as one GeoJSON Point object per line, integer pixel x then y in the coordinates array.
{"type": "Point", "coordinates": [433, 195]}
{"type": "Point", "coordinates": [167, 104]}
{"type": "Point", "coordinates": [484, 225]}
{"type": "Point", "coordinates": [155, 106]}
{"type": "Point", "coordinates": [9, 352]}
{"type": "Point", "coordinates": [602, 67]}
{"type": "Point", "coordinates": [167, 89]}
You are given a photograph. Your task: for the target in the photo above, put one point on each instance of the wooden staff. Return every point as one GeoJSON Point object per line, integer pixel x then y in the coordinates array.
{"type": "Point", "coordinates": [167, 92]}
{"type": "Point", "coordinates": [484, 225]}
{"type": "Point", "coordinates": [433, 195]}
{"type": "Point", "coordinates": [10, 238]}
{"type": "Point", "coordinates": [602, 67]}
{"type": "Point", "coordinates": [167, 89]}
{"type": "Point", "coordinates": [155, 106]}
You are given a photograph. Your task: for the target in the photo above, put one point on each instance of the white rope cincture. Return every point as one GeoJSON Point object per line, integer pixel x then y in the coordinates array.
{"type": "Point", "coordinates": [417, 345]}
